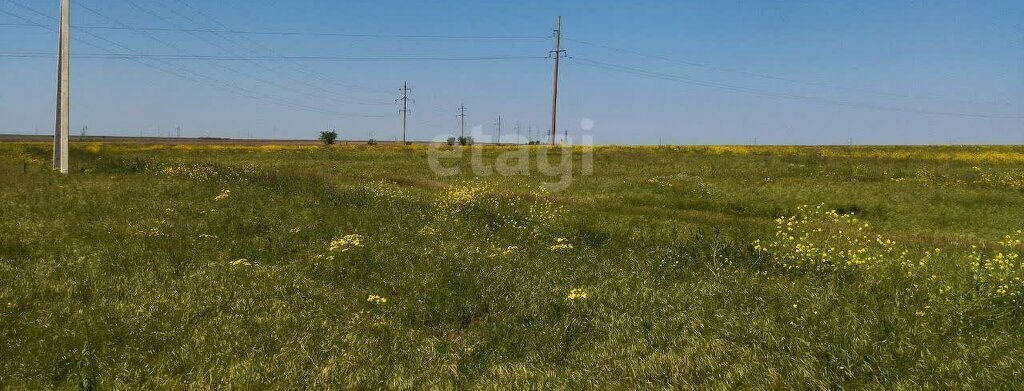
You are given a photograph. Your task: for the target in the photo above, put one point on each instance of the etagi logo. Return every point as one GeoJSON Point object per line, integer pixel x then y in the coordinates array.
{"type": "Point", "coordinates": [513, 156]}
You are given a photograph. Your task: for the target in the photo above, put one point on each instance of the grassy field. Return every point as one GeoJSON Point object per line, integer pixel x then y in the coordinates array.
{"type": "Point", "coordinates": [249, 267]}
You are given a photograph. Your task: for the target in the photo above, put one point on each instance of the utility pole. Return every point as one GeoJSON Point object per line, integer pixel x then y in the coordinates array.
{"type": "Point", "coordinates": [554, 96]}
{"type": "Point", "coordinates": [178, 131]}
{"type": "Point", "coordinates": [517, 132]}
{"type": "Point", "coordinates": [565, 136]}
{"type": "Point", "coordinates": [499, 130]}
{"type": "Point", "coordinates": [405, 109]}
{"type": "Point", "coordinates": [60, 131]}
{"type": "Point", "coordinates": [462, 116]}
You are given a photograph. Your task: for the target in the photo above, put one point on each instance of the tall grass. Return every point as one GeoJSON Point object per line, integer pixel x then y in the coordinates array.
{"type": "Point", "coordinates": [356, 267]}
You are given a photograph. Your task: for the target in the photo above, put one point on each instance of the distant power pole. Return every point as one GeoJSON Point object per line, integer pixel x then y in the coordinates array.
{"type": "Point", "coordinates": [462, 117]}
{"type": "Point", "coordinates": [405, 109]}
{"type": "Point", "coordinates": [517, 131]}
{"type": "Point", "coordinates": [177, 131]}
{"type": "Point", "coordinates": [499, 130]}
{"type": "Point", "coordinates": [565, 136]}
{"type": "Point", "coordinates": [60, 131]}
{"type": "Point", "coordinates": [85, 131]}
{"type": "Point", "coordinates": [554, 96]}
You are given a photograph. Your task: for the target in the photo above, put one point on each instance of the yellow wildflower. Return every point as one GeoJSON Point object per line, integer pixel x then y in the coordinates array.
{"type": "Point", "coordinates": [347, 242]}
{"type": "Point", "coordinates": [223, 195]}
{"type": "Point", "coordinates": [577, 294]}
{"type": "Point", "coordinates": [561, 244]}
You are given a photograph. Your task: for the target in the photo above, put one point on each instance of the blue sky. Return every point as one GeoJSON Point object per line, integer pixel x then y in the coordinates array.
{"type": "Point", "coordinates": [721, 72]}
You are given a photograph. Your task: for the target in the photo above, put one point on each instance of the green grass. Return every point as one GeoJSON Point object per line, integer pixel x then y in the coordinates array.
{"type": "Point", "coordinates": [120, 275]}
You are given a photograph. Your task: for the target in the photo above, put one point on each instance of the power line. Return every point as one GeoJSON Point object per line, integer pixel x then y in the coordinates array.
{"type": "Point", "coordinates": [284, 73]}
{"type": "Point", "coordinates": [295, 65]}
{"type": "Point", "coordinates": [405, 110]}
{"type": "Point", "coordinates": [275, 84]}
{"type": "Point", "coordinates": [687, 80]}
{"type": "Point", "coordinates": [781, 78]}
{"type": "Point", "coordinates": [462, 122]}
{"type": "Point", "coordinates": [184, 73]}
{"type": "Point", "coordinates": [558, 52]}
{"type": "Point", "coordinates": [498, 124]}
{"type": "Point", "coordinates": [301, 33]}
{"type": "Point", "coordinates": [122, 56]}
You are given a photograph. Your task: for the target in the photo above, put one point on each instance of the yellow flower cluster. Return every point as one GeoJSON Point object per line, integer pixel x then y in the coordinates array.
{"type": "Point", "coordinates": [195, 172]}
{"type": "Point", "coordinates": [376, 299]}
{"type": "Point", "coordinates": [507, 207]}
{"type": "Point", "coordinates": [346, 243]}
{"type": "Point", "coordinates": [498, 251]}
{"type": "Point", "coordinates": [462, 196]}
{"type": "Point", "coordinates": [385, 190]}
{"type": "Point", "coordinates": [241, 262]}
{"type": "Point", "coordinates": [1013, 180]}
{"type": "Point", "coordinates": [1000, 272]}
{"type": "Point", "coordinates": [427, 230]}
{"type": "Point", "coordinates": [577, 294]}
{"type": "Point", "coordinates": [685, 182]}
{"type": "Point", "coordinates": [820, 239]}
{"type": "Point", "coordinates": [545, 211]}
{"type": "Point", "coordinates": [561, 244]}
{"type": "Point", "coordinates": [223, 195]}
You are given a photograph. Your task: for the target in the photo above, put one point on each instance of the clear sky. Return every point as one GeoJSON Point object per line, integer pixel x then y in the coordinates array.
{"type": "Point", "coordinates": [642, 72]}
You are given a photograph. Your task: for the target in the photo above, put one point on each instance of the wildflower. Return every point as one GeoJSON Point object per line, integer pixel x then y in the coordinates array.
{"type": "Point", "coordinates": [577, 294]}
{"type": "Point", "coordinates": [223, 195]}
{"type": "Point", "coordinates": [241, 262]}
{"type": "Point", "coordinates": [207, 236]}
{"type": "Point", "coordinates": [295, 230]}
{"type": "Point", "coordinates": [376, 299]}
{"type": "Point", "coordinates": [561, 244]}
{"type": "Point", "coordinates": [346, 243]}
{"type": "Point", "coordinates": [427, 231]}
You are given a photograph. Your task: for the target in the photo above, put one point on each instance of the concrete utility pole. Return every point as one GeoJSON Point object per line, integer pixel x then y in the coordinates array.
{"type": "Point", "coordinates": [60, 131]}
{"type": "Point", "coordinates": [462, 116]}
{"type": "Point", "coordinates": [554, 97]}
{"type": "Point", "coordinates": [405, 109]}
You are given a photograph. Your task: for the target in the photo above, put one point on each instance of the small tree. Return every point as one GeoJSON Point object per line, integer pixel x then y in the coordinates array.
{"type": "Point", "coordinates": [328, 137]}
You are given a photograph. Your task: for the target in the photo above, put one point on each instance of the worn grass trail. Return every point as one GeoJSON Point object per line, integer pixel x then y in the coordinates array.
{"type": "Point", "coordinates": [212, 267]}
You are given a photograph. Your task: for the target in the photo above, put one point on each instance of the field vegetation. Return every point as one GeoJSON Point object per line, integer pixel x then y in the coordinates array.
{"type": "Point", "coordinates": [198, 267]}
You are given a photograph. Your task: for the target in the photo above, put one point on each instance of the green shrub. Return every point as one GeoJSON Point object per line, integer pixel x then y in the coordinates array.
{"type": "Point", "coordinates": [328, 137]}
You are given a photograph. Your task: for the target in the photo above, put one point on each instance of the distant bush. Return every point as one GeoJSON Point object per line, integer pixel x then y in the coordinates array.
{"type": "Point", "coordinates": [371, 142]}
{"type": "Point", "coordinates": [328, 137]}
{"type": "Point", "coordinates": [465, 140]}
{"type": "Point", "coordinates": [452, 141]}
